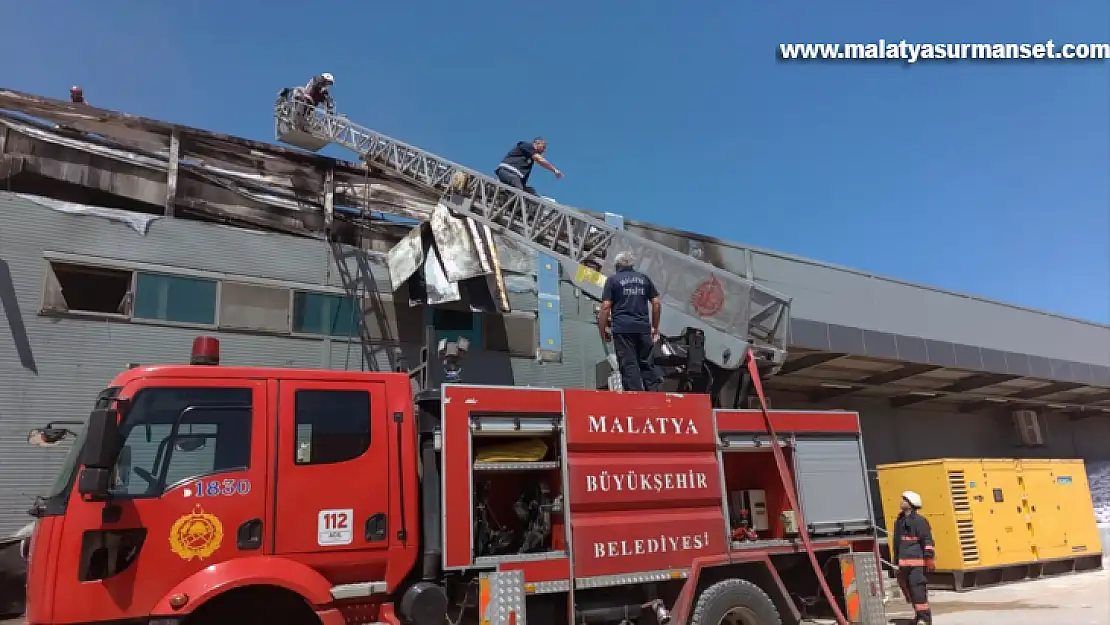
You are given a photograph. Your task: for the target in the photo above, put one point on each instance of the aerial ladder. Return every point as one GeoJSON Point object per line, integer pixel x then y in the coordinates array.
{"type": "Point", "coordinates": [712, 317]}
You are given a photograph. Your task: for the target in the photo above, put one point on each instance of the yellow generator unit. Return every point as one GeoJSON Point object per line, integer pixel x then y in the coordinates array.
{"type": "Point", "coordinates": [998, 520]}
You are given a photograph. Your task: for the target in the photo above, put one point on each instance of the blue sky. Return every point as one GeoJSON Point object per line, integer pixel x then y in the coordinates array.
{"type": "Point", "coordinates": [987, 178]}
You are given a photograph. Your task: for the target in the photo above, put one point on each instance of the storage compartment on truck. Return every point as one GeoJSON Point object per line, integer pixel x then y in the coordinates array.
{"type": "Point", "coordinates": [758, 508]}
{"type": "Point", "coordinates": [999, 514]}
{"type": "Point", "coordinates": [516, 487]}
{"type": "Point", "coordinates": [824, 453]}
{"type": "Point", "coordinates": [832, 484]}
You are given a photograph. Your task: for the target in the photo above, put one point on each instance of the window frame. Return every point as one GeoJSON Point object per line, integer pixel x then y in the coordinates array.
{"type": "Point", "coordinates": [359, 302]}
{"type": "Point", "coordinates": [48, 273]}
{"type": "Point", "coordinates": [369, 425]}
{"type": "Point", "coordinates": [182, 324]}
{"type": "Point", "coordinates": [237, 281]}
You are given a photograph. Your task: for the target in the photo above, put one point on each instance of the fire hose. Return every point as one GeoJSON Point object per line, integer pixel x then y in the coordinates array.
{"type": "Point", "coordinates": [791, 495]}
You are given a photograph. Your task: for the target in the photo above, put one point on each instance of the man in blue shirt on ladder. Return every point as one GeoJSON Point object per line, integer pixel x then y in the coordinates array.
{"type": "Point", "coordinates": [516, 167]}
{"type": "Point", "coordinates": [625, 301]}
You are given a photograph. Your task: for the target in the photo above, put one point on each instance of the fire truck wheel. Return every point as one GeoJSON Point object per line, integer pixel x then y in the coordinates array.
{"type": "Point", "coordinates": [735, 602]}
{"type": "Point", "coordinates": [255, 605]}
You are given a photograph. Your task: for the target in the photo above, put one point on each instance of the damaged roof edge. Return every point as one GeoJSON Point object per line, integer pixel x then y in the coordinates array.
{"type": "Point", "coordinates": [296, 192]}
{"type": "Point", "coordinates": [154, 136]}
{"type": "Point", "coordinates": [139, 222]}
{"type": "Point", "coordinates": [91, 119]}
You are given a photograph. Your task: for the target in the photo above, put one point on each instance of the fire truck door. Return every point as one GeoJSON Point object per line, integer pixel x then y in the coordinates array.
{"type": "Point", "coordinates": [189, 492]}
{"type": "Point", "coordinates": [332, 481]}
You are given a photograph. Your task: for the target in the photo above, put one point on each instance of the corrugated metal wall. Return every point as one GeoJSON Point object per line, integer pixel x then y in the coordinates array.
{"type": "Point", "coordinates": [76, 358]}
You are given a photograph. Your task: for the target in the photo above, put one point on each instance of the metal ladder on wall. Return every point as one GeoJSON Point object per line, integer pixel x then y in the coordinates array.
{"type": "Point", "coordinates": [734, 313]}
{"type": "Point", "coordinates": [359, 286]}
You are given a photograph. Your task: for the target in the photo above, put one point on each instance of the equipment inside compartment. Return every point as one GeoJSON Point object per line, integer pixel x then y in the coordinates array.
{"type": "Point", "coordinates": [756, 498]}
{"type": "Point", "coordinates": [517, 491]}
{"type": "Point", "coordinates": [527, 450]}
{"type": "Point", "coordinates": [529, 529]}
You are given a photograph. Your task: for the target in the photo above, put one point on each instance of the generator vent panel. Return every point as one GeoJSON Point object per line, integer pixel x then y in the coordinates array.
{"type": "Point", "coordinates": [957, 485]}
{"type": "Point", "coordinates": [965, 528]}
{"type": "Point", "coordinates": [969, 547]}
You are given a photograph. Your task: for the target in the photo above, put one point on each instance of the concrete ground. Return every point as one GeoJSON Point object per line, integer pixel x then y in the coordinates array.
{"type": "Point", "coordinates": [1081, 599]}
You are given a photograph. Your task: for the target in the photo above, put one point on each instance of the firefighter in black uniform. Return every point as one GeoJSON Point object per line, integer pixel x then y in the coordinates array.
{"type": "Point", "coordinates": [913, 552]}
{"type": "Point", "coordinates": [517, 164]}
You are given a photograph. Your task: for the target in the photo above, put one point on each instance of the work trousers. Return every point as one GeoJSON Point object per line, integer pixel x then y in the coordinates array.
{"type": "Point", "coordinates": [635, 362]}
{"type": "Point", "coordinates": [513, 180]}
{"type": "Point", "coordinates": [915, 589]}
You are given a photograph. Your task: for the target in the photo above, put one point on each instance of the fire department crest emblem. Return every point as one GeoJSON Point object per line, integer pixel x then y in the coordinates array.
{"type": "Point", "coordinates": [708, 298]}
{"type": "Point", "coordinates": [196, 535]}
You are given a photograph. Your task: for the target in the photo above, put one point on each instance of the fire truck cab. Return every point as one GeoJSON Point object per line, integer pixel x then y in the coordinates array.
{"type": "Point", "coordinates": [210, 494]}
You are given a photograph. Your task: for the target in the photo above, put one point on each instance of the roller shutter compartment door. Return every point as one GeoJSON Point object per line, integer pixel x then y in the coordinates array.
{"type": "Point", "coordinates": [832, 485]}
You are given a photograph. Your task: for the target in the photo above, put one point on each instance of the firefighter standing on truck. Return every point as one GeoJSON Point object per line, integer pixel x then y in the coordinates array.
{"type": "Point", "coordinates": [913, 552]}
{"type": "Point", "coordinates": [626, 300]}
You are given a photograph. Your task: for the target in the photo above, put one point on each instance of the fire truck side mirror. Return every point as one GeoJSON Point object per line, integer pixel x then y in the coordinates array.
{"type": "Point", "coordinates": [94, 483]}
{"type": "Point", "coordinates": [99, 453]}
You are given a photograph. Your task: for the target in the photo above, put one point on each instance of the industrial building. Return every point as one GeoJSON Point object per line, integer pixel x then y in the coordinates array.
{"type": "Point", "coordinates": [122, 239]}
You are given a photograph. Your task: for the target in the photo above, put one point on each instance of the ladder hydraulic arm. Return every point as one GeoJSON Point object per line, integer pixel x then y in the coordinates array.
{"type": "Point", "coordinates": [735, 313]}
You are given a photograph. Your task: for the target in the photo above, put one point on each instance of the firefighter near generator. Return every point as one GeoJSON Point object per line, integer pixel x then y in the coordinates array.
{"type": "Point", "coordinates": [207, 494]}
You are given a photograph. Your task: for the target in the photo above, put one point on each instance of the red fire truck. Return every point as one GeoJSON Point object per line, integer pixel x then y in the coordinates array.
{"type": "Point", "coordinates": [208, 494]}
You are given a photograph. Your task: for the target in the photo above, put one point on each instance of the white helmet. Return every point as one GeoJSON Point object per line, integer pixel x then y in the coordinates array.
{"type": "Point", "coordinates": [328, 78]}
{"type": "Point", "coordinates": [913, 498]}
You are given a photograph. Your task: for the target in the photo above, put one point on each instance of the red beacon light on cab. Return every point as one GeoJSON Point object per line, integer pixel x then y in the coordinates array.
{"type": "Point", "coordinates": [206, 351]}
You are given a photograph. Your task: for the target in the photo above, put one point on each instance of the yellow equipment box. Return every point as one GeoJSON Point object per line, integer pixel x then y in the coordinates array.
{"type": "Point", "coordinates": [993, 513]}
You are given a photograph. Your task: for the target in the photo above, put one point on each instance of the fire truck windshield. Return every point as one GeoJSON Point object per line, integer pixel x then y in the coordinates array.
{"type": "Point", "coordinates": [172, 434]}
{"type": "Point", "coordinates": [67, 473]}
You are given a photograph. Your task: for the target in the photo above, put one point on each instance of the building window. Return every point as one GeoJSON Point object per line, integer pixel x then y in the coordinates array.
{"type": "Point", "coordinates": [82, 289]}
{"type": "Point", "coordinates": [175, 298]}
{"type": "Point", "coordinates": [331, 426]}
{"type": "Point", "coordinates": [253, 307]}
{"type": "Point", "coordinates": [327, 315]}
